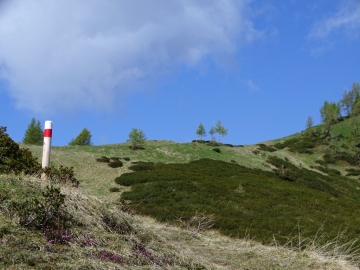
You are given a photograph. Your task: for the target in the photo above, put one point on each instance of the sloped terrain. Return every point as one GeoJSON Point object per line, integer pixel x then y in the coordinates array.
{"type": "Point", "coordinates": [175, 205]}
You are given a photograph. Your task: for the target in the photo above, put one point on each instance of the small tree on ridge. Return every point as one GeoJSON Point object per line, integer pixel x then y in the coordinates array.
{"type": "Point", "coordinates": [201, 131]}
{"type": "Point", "coordinates": [220, 129]}
{"type": "Point", "coordinates": [84, 138]}
{"type": "Point", "coordinates": [137, 138]}
{"type": "Point", "coordinates": [34, 134]}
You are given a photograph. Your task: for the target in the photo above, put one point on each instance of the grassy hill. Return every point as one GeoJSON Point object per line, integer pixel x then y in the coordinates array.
{"type": "Point", "coordinates": [174, 206]}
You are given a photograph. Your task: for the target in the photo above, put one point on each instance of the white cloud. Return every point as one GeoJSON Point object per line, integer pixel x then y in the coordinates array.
{"type": "Point", "coordinates": [346, 18]}
{"type": "Point", "coordinates": [82, 54]}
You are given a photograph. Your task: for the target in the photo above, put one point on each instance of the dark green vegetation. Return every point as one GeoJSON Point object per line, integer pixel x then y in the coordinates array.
{"type": "Point", "coordinates": [137, 138]}
{"type": "Point", "coordinates": [84, 138]}
{"type": "Point", "coordinates": [247, 202]}
{"type": "Point", "coordinates": [34, 133]}
{"type": "Point", "coordinates": [14, 159]}
{"type": "Point", "coordinates": [113, 162]}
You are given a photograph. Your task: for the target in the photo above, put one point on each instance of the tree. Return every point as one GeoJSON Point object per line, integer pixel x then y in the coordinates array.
{"type": "Point", "coordinates": [309, 125]}
{"type": "Point", "coordinates": [201, 131]}
{"type": "Point", "coordinates": [330, 113]}
{"type": "Point", "coordinates": [34, 134]}
{"type": "Point", "coordinates": [137, 138]}
{"type": "Point", "coordinates": [351, 100]}
{"type": "Point", "coordinates": [84, 138]}
{"type": "Point", "coordinates": [212, 132]}
{"type": "Point", "coordinates": [219, 128]}
{"type": "Point", "coordinates": [309, 122]}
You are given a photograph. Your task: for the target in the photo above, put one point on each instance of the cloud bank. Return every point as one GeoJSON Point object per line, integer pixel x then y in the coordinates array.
{"type": "Point", "coordinates": [346, 19]}
{"type": "Point", "coordinates": [83, 54]}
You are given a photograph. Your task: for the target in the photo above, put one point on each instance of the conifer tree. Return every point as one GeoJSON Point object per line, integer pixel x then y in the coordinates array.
{"type": "Point", "coordinates": [84, 138]}
{"type": "Point", "coordinates": [34, 134]}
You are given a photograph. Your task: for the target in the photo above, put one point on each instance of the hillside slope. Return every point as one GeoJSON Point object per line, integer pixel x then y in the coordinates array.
{"type": "Point", "coordinates": [299, 192]}
{"type": "Point", "coordinates": [105, 236]}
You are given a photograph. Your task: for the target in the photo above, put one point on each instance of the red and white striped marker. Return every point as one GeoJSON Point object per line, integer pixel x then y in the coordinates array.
{"type": "Point", "coordinates": [47, 144]}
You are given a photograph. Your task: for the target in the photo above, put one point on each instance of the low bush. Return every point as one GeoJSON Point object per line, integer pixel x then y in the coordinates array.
{"type": "Point", "coordinates": [14, 159]}
{"type": "Point", "coordinates": [303, 145]}
{"type": "Point", "coordinates": [142, 166]}
{"type": "Point", "coordinates": [264, 147]}
{"type": "Point", "coordinates": [60, 175]}
{"type": "Point", "coordinates": [115, 164]}
{"type": "Point", "coordinates": [352, 172]}
{"type": "Point", "coordinates": [114, 189]}
{"type": "Point", "coordinates": [47, 211]}
{"type": "Point", "coordinates": [103, 159]}
{"type": "Point", "coordinates": [213, 143]}
{"type": "Point", "coordinates": [245, 201]}
{"type": "Point", "coordinates": [217, 150]}
{"type": "Point", "coordinates": [328, 170]}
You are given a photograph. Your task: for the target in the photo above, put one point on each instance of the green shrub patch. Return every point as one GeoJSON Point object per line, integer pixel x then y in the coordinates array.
{"type": "Point", "coordinates": [304, 144]}
{"type": "Point", "coordinates": [115, 163]}
{"type": "Point", "coordinates": [217, 150]}
{"type": "Point", "coordinates": [246, 201]}
{"type": "Point", "coordinates": [14, 159]}
{"type": "Point", "coordinates": [142, 166]}
{"type": "Point", "coordinates": [328, 170]}
{"type": "Point", "coordinates": [264, 147]}
{"type": "Point", "coordinates": [103, 159]}
{"type": "Point", "coordinates": [352, 172]}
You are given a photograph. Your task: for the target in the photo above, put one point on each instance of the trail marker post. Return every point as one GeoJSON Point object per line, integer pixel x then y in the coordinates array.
{"type": "Point", "coordinates": [46, 146]}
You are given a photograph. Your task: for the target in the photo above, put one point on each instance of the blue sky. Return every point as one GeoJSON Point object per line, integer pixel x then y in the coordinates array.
{"type": "Point", "coordinates": [260, 67]}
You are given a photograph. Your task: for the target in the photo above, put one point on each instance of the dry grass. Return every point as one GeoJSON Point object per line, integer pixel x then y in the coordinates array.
{"type": "Point", "coordinates": [220, 252]}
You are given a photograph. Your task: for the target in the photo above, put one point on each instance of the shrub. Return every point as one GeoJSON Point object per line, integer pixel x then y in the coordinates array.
{"type": "Point", "coordinates": [114, 189]}
{"type": "Point", "coordinates": [267, 148]}
{"type": "Point", "coordinates": [126, 158]}
{"type": "Point", "coordinates": [61, 175]}
{"type": "Point", "coordinates": [352, 172]}
{"type": "Point", "coordinates": [14, 159]}
{"type": "Point", "coordinates": [115, 164]}
{"type": "Point", "coordinates": [217, 150]}
{"type": "Point", "coordinates": [288, 171]}
{"type": "Point", "coordinates": [48, 211]}
{"type": "Point", "coordinates": [254, 202]}
{"type": "Point", "coordinates": [142, 166]}
{"type": "Point", "coordinates": [103, 159]}
{"type": "Point", "coordinates": [328, 159]}
{"type": "Point", "coordinates": [328, 170]}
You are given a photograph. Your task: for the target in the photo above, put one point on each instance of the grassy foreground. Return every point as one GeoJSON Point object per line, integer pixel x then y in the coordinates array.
{"type": "Point", "coordinates": [106, 236]}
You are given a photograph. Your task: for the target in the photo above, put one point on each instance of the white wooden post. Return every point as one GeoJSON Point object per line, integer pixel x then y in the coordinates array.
{"type": "Point", "coordinates": [47, 144]}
